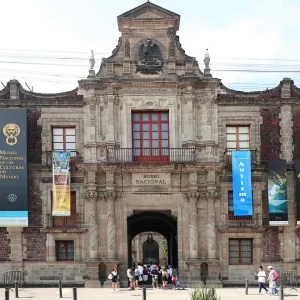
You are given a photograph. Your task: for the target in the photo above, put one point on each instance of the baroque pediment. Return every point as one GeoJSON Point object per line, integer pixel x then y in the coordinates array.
{"type": "Point", "coordinates": [148, 10]}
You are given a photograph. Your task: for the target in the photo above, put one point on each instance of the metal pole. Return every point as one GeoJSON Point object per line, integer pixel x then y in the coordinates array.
{"type": "Point", "coordinates": [144, 293]}
{"type": "Point", "coordinates": [74, 293]}
{"type": "Point", "coordinates": [60, 289]}
{"type": "Point", "coordinates": [6, 294]}
{"type": "Point", "coordinates": [16, 290]}
{"type": "Point", "coordinates": [281, 295]}
{"type": "Point", "coordinates": [246, 287]}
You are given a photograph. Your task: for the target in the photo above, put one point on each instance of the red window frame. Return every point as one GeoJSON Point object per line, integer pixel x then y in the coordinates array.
{"type": "Point", "coordinates": [239, 253]}
{"type": "Point", "coordinates": [66, 221]}
{"type": "Point", "coordinates": [150, 135]}
{"type": "Point", "coordinates": [64, 250]}
{"type": "Point", "coordinates": [64, 142]}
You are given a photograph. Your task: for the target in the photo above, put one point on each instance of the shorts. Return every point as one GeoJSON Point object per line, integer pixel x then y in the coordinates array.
{"type": "Point", "coordinates": [132, 278]}
{"type": "Point", "coordinates": [114, 280]}
{"type": "Point", "coordinates": [164, 278]}
{"type": "Point", "coordinates": [137, 277]}
{"type": "Point", "coordinates": [174, 283]}
{"type": "Point", "coordinates": [155, 279]}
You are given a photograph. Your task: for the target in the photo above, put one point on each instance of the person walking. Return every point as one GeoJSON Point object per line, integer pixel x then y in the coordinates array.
{"type": "Point", "coordinates": [273, 276]}
{"type": "Point", "coordinates": [131, 277]}
{"type": "Point", "coordinates": [261, 279]}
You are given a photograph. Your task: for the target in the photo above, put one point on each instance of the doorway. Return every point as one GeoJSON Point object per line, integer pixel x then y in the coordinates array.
{"type": "Point", "coordinates": [151, 221]}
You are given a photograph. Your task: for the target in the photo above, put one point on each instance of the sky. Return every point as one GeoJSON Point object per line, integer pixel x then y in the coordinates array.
{"type": "Point", "coordinates": [46, 44]}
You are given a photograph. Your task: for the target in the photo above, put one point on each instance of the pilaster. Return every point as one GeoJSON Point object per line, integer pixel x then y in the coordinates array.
{"type": "Point", "coordinates": [286, 132]}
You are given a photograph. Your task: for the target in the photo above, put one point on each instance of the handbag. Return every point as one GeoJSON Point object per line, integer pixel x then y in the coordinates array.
{"type": "Point", "coordinates": [140, 278]}
{"type": "Point", "coordinates": [110, 276]}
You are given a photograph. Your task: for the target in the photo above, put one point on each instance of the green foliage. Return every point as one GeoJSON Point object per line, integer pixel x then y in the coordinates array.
{"type": "Point", "coordinates": [165, 248]}
{"type": "Point", "coordinates": [200, 293]}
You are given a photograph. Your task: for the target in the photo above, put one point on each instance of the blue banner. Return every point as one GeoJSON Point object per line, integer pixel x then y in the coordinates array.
{"type": "Point", "coordinates": [242, 185]}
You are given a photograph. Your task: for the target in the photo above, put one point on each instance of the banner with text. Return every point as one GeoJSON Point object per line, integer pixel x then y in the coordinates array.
{"type": "Point", "coordinates": [61, 195]}
{"type": "Point", "coordinates": [242, 184]}
{"type": "Point", "coordinates": [297, 163]}
{"type": "Point", "coordinates": [277, 192]}
{"type": "Point", "coordinates": [13, 168]}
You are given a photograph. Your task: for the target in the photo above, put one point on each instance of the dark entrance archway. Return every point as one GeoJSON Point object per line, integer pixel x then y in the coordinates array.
{"type": "Point", "coordinates": [150, 253]}
{"type": "Point", "coordinates": [150, 221]}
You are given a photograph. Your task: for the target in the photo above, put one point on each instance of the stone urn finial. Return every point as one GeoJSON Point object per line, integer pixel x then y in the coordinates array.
{"type": "Point", "coordinates": [92, 60]}
{"type": "Point", "coordinates": [206, 62]}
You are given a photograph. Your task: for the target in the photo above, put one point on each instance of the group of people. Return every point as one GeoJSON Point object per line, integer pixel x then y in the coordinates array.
{"type": "Point", "coordinates": [272, 279]}
{"type": "Point", "coordinates": [139, 274]}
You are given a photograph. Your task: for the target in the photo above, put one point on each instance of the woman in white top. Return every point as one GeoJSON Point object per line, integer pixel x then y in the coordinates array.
{"type": "Point", "coordinates": [261, 279]}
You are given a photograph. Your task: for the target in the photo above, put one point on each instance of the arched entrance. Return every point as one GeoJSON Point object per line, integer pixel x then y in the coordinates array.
{"type": "Point", "coordinates": [151, 253]}
{"type": "Point", "coordinates": [150, 221]}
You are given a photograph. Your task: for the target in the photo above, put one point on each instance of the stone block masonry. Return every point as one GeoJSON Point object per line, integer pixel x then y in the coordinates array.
{"type": "Point", "coordinates": [4, 245]}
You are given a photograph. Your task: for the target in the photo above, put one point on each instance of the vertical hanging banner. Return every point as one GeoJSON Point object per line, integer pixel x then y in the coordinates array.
{"type": "Point", "coordinates": [13, 168]}
{"type": "Point", "coordinates": [297, 165]}
{"type": "Point", "coordinates": [61, 195]}
{"type": "Point", "coordinates": [277, 192]}
{"type": "Point", "coordinates": [242, 183]}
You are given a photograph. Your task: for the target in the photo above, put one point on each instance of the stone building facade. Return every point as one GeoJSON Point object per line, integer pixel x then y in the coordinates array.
{"type": "Point", "coordinates": [152, 155]}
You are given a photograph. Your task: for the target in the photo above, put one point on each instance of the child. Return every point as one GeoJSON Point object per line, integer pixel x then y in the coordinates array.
{"type": "Point", "coordinates": [174, 281]}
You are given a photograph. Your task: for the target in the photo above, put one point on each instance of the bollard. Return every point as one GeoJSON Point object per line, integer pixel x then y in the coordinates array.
{"type": "Point", "coordinates": [246, 287]}
{"type": "Point", "coordinates": [144, 293]}
{"type": "Point", "coordinates": [6, 294]}
{"type": "Point", "coordinates": [60, 288]}
{"type": "Point", "coordinates": [281, 293]}
{"type": "Point", "coordinates": [74, 293]}
{"type": "Point", "coordinates": [16, 290]}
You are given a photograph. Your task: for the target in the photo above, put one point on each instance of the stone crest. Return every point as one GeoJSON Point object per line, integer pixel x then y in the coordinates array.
{"type": "Point", "coordinates": [150, 59]}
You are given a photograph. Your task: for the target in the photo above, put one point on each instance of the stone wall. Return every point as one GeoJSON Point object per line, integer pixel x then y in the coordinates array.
{"type": "Point", "coordinates": [35, 241]}
{"type": "Point", "coordinates": [4, 245]}
{"type": "Point", "coordinates": [34, 136]}
{"type": "Point", "coordinates": [41, 273]}
{"type": "Point", "coordinates": [271, 249]}
{"type": "Point", "coordinates": [270, 133]}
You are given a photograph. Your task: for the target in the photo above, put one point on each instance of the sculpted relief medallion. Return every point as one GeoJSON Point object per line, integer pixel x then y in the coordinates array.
{"type": "Point", "coordinates": [150, 59]}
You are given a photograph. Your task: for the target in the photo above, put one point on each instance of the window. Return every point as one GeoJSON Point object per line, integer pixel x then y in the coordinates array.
{"type": "Point", "coordinates": [240, 251]}
{"type": "Point", "coordinates": [67, 221]}
{"type": "Point", "coordinates": [64, 250]}
{"type": "Point", "coordinates": [237, 137]}
{"type": "Point", "coordinates": [150, 131]}
{"type": "Point", "coordinates": [231, 215]}
{"type": "Point", "coordinates": [64, 139]}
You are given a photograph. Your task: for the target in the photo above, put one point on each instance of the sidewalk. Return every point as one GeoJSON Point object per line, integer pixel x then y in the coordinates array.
{"type": "Point", "coordinates": [124, 294]}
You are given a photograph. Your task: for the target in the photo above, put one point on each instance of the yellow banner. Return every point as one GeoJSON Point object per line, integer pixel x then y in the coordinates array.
{"type": "Point", "coordinates": [61, 195]}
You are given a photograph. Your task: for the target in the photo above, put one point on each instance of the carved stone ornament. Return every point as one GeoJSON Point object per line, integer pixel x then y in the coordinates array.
{"type": "Point", "coordinates": [192, 195]}
{"type": "Point", "coordinates": [213, 195]}
{"type": "Point", "coordinates": [109, 195]}
{"type": "Point", "coordinates": [151, 61]}
{"type": "Point", "coordinates": [127, 49]}
{"type": "Point", "coordinates": [90, 195]}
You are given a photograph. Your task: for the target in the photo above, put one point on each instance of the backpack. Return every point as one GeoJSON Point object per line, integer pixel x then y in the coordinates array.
{"type": "Point", "coordinates": [276, 275]}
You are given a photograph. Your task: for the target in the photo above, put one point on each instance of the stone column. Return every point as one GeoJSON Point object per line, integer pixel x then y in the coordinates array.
{"type": "Point", "coordinates": [91, 216]}
{"type": "Point", "coordinates": [110, 137]}
{"type": "Point", "coordinates": [110, 197]}
{"type": "Point", "coordinates": [211, 234]}
{"type": "Point", "coordinates": [138, 248]}
{"type": "Point", "coordinates": [189, 118]}
{"type": "Point", "coordinates": [192, 198]}
{"type": "Point", "coordinates": [91, 212]}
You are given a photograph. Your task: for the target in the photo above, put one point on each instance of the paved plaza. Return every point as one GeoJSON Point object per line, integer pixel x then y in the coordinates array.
{"type": "Point", "coordinates": [124, 294]}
